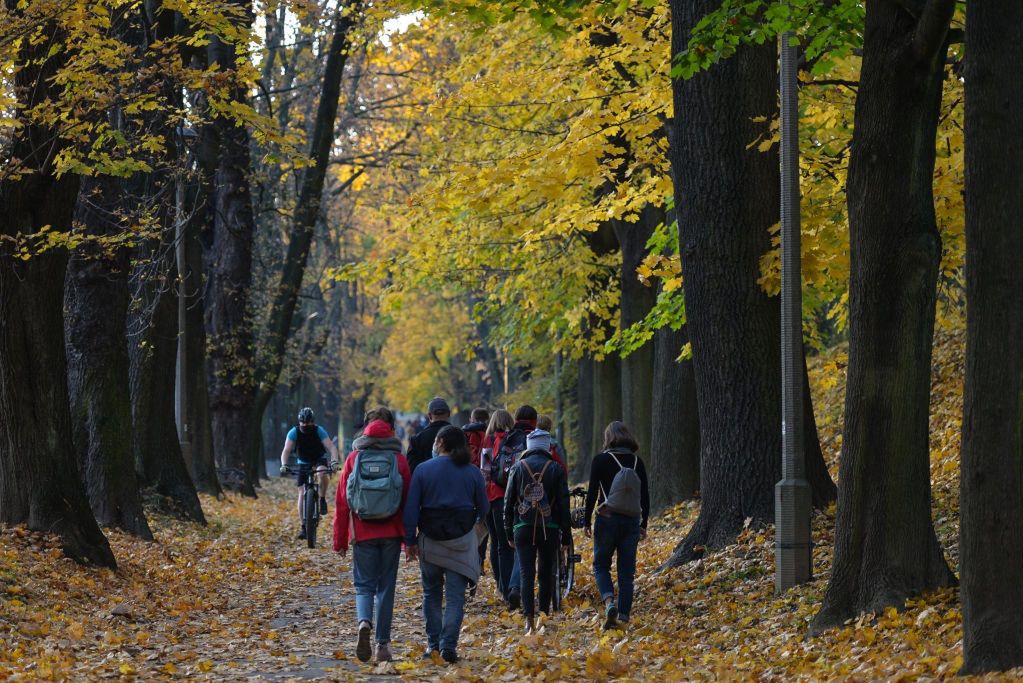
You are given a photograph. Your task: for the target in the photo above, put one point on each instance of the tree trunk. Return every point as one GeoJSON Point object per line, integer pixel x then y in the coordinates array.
{"type": "Point", "coordinates": [674, 462]}
{"type": "Point", "coordinates": [584, 419]}
{"type": "Point", "coordinates": [96, 305]}
{"type": "Point", "coordinates": [228, 259]}
{"type": "Point", "coordinates": [39, 479]}
{"type": "Point", "coordinates": [307, 209]}
{"type": "Point", "coordinates": [153, 355]}
{"type": "Point", "coordinates": [636, 301]}
{"type": "Point", "coordinates": [607, 402]}
{"type": "Point", "coordinates": [727, 198]}
{"type": "Point", "coordinates": [202, 464]}
{"type": "Point", "coordinates": [885, 546]}
{"type": "Point", "coordinates": [991, 502]}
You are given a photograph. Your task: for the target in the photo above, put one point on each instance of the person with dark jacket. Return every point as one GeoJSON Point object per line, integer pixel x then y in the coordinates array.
{"type": "Point", "coordinates": [420, 448]}
{"type": "Point", "coordinates": [475, 432]}
{"type": "Point", "coordinates": [445, 501]}
{"type": "Point", "coordinates": [615, 530]}
{"type": "Point", "coordinates": [536, 518]}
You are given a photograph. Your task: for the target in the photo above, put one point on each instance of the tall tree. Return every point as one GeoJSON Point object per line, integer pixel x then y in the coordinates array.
{"type": "Point", "coordinates": [228, 244]}
{"type": "Point", "coordinates": [991, 503]}
{"type": "Point", "coordinates": [726, 194]}
{"type": "Point", "coordinates": [885, 545]}
{"type": "Point", "coordinates": [346, 20]}
{"type": "Point", "coordinates": [39, 482]}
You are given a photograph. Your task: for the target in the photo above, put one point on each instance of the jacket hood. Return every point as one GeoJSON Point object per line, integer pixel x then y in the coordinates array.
{"type": "Point", "coordinates": [475, 427]}
{"type": "Point", "coordinates": [378, 429]}
{"type": "Point", "coordinates": [526, 425]}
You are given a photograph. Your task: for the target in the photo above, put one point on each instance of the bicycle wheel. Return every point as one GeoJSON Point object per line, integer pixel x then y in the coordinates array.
{"type": "Point", "coordinates": [568, 571]}
{"type": "Point", "coordinates": [311, 512]}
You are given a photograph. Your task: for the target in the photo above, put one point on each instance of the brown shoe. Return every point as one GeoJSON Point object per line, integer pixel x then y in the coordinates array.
{"type": "Point", "coordinates": [383, 653]}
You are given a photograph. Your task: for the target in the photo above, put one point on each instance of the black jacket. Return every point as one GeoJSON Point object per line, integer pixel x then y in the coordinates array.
{"type": "Point", "coordinates": [602, 472]}
{"type": "Point", "coordinates": [420, 447]}
{"type": "Point", "coordinates": [555, 484]}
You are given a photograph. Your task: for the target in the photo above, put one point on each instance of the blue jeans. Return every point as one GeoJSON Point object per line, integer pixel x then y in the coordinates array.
{"type": "Point", "coordinates": [616, 534]}
{"type": "Point", "coordinates": [375, 570]}
{"type": "Point", "coordinates": [442, 622]}
{"type": "Point", "coordinates": [502, 558]}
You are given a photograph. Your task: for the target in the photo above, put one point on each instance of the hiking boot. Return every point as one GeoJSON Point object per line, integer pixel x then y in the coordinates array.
{"type": "Point", "coordinates": [383, 653]}
{"type": "Point", "coordinates": [362, 648]}
{"type": "Point", "coordinates": [449, 656]}
{"type": "Point", "coordinates": [323, 505]}
{"type": "Point", "coordinates": [610, 616]}
{"type": "Point", "coordinates": [301, 533]}
{"type": "Point", "coordinates": [514, 599]}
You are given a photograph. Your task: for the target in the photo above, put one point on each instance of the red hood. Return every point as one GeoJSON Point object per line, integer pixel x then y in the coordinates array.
{"type": "Point", "coordinates": [378, 429]}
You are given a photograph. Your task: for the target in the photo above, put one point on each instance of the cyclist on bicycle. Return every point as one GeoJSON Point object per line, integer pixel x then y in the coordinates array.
{"type": "Point", "coordinates": [313, 445]}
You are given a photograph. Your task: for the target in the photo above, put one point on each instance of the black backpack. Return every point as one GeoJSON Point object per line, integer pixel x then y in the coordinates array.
{"type": "Point", "coordinates": [512, 446]}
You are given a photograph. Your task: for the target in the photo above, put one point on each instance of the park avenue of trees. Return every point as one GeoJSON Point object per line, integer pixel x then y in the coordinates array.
{"type": "Point", "coordinates": [214, 212]}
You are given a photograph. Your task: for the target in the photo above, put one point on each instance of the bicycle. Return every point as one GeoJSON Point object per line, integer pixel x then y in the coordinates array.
{"type": "Point", "coordinates": [566, 559]}
{"type": "Point", "coordinates": [310, 497]}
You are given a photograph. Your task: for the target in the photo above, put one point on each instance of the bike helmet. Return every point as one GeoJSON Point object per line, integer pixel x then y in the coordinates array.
{"type": "Point", "coordinates": [306, 415]}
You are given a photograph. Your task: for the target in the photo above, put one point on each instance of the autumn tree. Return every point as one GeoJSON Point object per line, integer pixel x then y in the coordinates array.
{"type": "Point", "coordinates": [39, 475]}
{"type": "Point", "coordinates": [885, 545]}
{"type": "Point", "coordinates": [991, 531]}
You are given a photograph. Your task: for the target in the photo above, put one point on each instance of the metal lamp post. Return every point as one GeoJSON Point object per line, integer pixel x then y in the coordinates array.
{"type": "Point", "coordinates": [792, 494]}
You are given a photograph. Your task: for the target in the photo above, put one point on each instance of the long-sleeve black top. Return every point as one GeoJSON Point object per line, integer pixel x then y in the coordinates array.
{"type": "Point", "coordinates": [602, 472]}
{"type": "Point", "coordinates": [420, 446]}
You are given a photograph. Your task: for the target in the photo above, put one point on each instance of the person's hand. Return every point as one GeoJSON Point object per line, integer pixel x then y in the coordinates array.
{"type": "Point", "coordinates": [642, 534]}
{"type": "Point", "coordinates": [411, 553]}
{"type": "Point", "coordinates": [588, 531]}
{"type": "Point", "coordinates": [511, 543]}
{"type": "Point", "coordinates": [284, 470]}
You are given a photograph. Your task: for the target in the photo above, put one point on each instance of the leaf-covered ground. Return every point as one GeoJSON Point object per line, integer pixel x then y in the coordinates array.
{"type": "Point", "coordinates": [242, 599]}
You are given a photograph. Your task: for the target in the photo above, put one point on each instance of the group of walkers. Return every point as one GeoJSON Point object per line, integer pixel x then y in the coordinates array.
{"type": "Point", "coordinates": [500, 478]}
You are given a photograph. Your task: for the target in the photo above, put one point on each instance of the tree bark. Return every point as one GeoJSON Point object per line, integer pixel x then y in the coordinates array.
{"type": "Point", "coordinates": [636, 301]}
{"type": "Point", "coordinates": [228, 260]}
{"type": "Point", "coordinates": [39, 478]}
{"type": "Point", "coordinates": [607, 402]}
{"type": "Point", "coordinates": [153, 355]}
{"type": "Point", "coordinates": [674, 462]}
{"type": "Point", "coordinates": [584, 419]}
{"type": "Point", "coordinates": [96, 305]}
{"type": "Point", "coordinates": [885, 546]}
{"type": "Point", "coordinates": [727, 198]}
{"type": "Point", "coordinates": [991, 489]}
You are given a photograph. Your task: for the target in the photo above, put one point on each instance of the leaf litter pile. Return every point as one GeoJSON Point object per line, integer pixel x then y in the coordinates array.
{"type": "Point", "coordinates": [242, 599]}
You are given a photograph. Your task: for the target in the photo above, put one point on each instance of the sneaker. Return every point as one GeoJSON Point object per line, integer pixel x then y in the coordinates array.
{"type": "Point", "coordinates": [610, 616]}
{"type": "Point", "coordinates": [428, 655]}
{"type": "Point", "coordinates": [514, 599]}
{"type": "Point", "coordinates": [301, 533]}
{"type": "Point", "coordinates": [323, 505]}
{"type": "Point", "coordinates": [449, 656]}
{"type": "Point", "coordinates": [383, 653]}
{"type": "Point", "coordinates": [362, 649]}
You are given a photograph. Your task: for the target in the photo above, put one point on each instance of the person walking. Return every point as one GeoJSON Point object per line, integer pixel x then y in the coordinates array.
{"type": "Point", "coordinates": [446, 499]}
{"type": "Point", "coordinates": [370, 500]}
{"type": "Point", "coordinates": [420, 447]}
{"type": "Point", "coordinates": [502, 556]}
{"type": "Point", "coordinates": [618, 479]}
{"type": "Point", "coordinates": [536, 516]}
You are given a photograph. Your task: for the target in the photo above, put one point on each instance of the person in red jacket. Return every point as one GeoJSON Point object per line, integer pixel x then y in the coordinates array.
{"type": "Point", "coordinates": [376, 545]}
{"type": "Point", "coordinates": [475, 432]}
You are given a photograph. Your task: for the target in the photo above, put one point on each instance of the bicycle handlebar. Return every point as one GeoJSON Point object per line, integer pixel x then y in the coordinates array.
{"type": "Point", "coordinates": [294, 469]}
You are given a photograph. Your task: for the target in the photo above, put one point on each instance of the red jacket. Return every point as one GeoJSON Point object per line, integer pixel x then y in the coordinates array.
{"type": "Point", "coordinates": [474, 435]}
{"type": "Point", "coordinates": [495, 492]}
{"type": "Point", "coordinates": [348, 525]}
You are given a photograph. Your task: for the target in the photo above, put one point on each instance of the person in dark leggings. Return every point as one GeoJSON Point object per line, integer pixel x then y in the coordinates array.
{"type": "Point", "coordinates": [618, 528]}
{"type": "Point", "coordinates": [536, 517]}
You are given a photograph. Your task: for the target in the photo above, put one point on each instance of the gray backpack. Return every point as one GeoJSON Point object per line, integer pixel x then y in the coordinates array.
{"type": "Point", "coordinates": [375, 486]}
{"type": "Point", "coordinates": [624, 495]}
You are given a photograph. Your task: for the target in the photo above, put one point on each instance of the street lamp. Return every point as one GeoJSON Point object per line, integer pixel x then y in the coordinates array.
{"type": "Point", "coordinates": [791, 494]}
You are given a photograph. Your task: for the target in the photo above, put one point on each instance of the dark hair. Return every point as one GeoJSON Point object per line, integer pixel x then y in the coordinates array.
{"type": "Point", "coordinates": [380, 413]}
{"type": "Point", "coordinates": [617, 435]}
{"type": "Point", "coordinates": [453, 440]}
{"type": "Point", "coordinates": [479, 415]}
{"type": "Point", "coordinates": [525, 413]}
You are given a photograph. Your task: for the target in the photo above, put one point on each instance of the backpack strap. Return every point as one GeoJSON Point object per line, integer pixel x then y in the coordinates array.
{"type": "Point", "coordinates": [544, 470]}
